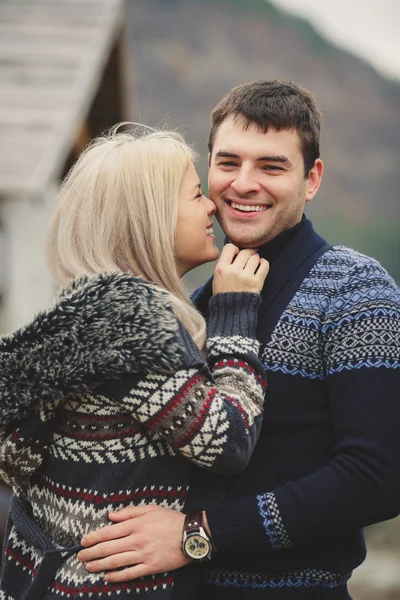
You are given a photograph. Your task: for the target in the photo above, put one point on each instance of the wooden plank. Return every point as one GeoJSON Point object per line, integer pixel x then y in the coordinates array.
{"type": "Point", "coordinates": [54, 31]}
{"type": "Point", "coordinates": [10, 96]}
{"type": "Point", "coordinates": [54, 13]}
{"type": "Point", "coordinates": [52, 53]}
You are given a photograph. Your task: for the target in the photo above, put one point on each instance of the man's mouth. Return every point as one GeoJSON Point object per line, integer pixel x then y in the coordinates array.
{"type": "Point", "coordinates": [247, 207]}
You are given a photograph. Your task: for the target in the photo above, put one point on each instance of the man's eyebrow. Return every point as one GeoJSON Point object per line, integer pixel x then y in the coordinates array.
{"type": "Point", "coordinates": [222, 154]}
{"type": "Point", "coordinates": [278, 158]}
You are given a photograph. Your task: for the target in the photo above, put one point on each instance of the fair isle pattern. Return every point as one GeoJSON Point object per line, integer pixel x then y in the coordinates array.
{"type": "Point", "coordinates": [133, 448]}
{"type": "Point", "coordinates": [18, 550]}
{"type": "Point", "coordinates": [208, 442]}
{"type": "Point", "coordinates": [194, 413]}
{"type": "Point", "coordinates": [20, 457]}
{"type": "Point", "coordinates": [272, 521]}
{"type": "Point", "coordinates": [233, 345]}
{"type": "Point", "coordinates": [67, 513]}
{"type": "Point", "coordinates": [344, 316]}
{"type": "Point", "coordinates": [93, 404]}
{"type": "Point", "coordinates": [27, 457]}
{"type": "Point", "coordinates": [157, 394]}
{"type": "Point", "coordinates": [73, 580]}
{"type": "Point", "coordinates": [231, 372]}
{"type": "Point", "coordinates": [306, 578]}
{"type": "Point", "coordinates": [164, 495]}
{"type": "Point", "coordinates": [143, 585]}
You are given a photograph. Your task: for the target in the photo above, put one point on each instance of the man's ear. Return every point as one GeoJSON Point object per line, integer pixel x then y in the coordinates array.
{"type": "Point", "coordinates": [313, 180]}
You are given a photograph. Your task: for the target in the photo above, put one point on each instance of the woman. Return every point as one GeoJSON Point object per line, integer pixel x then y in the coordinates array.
{"type": "Point", "coordinates": [106, 399]}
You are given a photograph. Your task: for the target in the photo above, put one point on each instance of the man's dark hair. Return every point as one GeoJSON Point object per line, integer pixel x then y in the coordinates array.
{"type": "Point", "coordinates": [277, 104]}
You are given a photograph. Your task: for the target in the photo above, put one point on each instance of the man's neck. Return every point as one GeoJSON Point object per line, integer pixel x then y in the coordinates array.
{"type": "Point", "coordinates": [272, 249]}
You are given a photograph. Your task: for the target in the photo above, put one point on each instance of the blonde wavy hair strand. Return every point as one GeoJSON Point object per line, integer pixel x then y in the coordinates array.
{"type": "Point", "coordinates": [117, 211]}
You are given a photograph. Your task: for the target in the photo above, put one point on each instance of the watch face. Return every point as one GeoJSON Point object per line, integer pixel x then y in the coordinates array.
{"type": "Point", "coordinates": [197, 547]}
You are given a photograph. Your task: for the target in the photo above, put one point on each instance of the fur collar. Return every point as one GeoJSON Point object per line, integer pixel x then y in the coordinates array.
{"type": "Point", "coordinates": [99, 328]}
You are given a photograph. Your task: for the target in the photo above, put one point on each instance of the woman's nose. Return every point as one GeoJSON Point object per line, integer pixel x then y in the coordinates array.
{"type": "Point", "coordinates": [211, 208]}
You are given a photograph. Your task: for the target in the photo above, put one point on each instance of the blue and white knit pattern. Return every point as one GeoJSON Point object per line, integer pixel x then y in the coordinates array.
{"type": "Point", "coordinates": [272, 521]}
{"type": "Point", "coordinates": [305, 578]}
{"type": "Point", "coordinates": [344, 316]}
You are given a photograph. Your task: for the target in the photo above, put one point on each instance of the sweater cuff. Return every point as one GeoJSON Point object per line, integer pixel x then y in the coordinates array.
{"type": "Point", "coordinates": [247, 523]}
{"type": "Point", "coordinates": [233, 313]}
{"type": "Point", "coordinates": [235, 526]}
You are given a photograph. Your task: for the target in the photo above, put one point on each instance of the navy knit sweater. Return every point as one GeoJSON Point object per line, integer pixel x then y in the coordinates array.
{"type": "Point", "coordinates": [328, 459]}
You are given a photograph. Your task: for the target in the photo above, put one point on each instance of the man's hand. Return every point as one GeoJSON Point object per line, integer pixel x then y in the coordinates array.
{"type": "Point", "coordinates": [239, 271]}
{"type": "Point", "coordinates": [144, 539]}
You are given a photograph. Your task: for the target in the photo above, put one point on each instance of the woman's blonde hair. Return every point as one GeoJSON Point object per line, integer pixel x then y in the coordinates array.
{"type": "Point", "coordinates": [117, 211]}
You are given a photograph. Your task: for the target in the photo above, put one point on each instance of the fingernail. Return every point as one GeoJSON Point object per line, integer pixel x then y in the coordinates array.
{"type": "Point", "coordinates": [83, 541]}
{"type": "Point", "coordinates": [88, 566]}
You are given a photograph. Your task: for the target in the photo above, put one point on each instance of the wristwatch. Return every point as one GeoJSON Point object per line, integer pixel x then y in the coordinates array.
{"type": "Point", "coordinates": [196, 544]}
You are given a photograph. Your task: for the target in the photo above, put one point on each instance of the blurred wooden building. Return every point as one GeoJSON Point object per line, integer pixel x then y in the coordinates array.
{"type": "Point", "coordinates": [63, 70]}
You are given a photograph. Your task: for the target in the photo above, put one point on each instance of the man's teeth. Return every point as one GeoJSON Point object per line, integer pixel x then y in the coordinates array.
{"type": "Point", "coordinates": [247, 208]}
{"type": "Point", "coordinates": [209, 231]}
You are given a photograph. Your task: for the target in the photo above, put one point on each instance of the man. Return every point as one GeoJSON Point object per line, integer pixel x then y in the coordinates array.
{"type": "Point", "coordinates": [327, 462]}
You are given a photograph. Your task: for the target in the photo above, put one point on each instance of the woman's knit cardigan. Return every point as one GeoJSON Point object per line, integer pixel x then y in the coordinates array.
{"type": "Point", "coordinates": [105, 402]}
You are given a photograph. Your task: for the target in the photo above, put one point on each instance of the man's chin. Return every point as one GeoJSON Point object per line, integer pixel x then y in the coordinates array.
{"type": "Point", "coordinates": [241, 240]}
{"type": "Point", "coordinates": [244, 235]}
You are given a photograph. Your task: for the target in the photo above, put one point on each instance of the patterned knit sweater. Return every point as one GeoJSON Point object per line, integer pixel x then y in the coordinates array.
{"type": "Point", "coordinates": [105, 402]}
{"type": "Point", "coordinates": [328, 459]}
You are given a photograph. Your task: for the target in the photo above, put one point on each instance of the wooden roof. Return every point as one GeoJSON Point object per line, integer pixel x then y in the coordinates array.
{"type": "Point", "coordinates": [52, 54]}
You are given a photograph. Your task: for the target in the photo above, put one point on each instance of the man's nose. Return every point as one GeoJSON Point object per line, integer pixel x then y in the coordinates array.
{"type": "Point", "coordinates": [245, 183]}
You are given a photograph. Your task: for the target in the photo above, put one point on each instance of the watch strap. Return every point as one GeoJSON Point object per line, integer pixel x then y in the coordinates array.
{"type": "Point", "coordinates": [193, 522]}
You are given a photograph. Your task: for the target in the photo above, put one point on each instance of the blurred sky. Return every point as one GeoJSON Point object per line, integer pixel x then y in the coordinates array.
{"type": "Point", "coordinates": [369, 28]}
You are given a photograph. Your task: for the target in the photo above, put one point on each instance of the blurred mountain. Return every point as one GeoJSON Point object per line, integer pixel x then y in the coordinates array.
{"type": "Point", "coordinates": [188, 53]}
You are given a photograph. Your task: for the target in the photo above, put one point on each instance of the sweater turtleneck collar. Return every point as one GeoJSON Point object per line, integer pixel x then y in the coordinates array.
{"type": "Point", "coordinates": [272, 249]}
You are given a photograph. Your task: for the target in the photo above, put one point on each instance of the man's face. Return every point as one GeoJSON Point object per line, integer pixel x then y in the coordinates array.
{"type": "Point", "coordinates": [257, 182]}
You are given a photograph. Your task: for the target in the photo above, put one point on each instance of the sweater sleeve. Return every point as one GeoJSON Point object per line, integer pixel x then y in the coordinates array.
{"type": "Point", "coordinates": [360, 485]}
{"type": "Point", "coordinates": [211, 414]}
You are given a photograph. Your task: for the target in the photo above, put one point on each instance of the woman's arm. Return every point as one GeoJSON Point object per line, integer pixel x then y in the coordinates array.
{"type": "Point", "coordinates": [212, 413]}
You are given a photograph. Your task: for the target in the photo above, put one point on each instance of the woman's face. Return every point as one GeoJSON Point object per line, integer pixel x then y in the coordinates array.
{"type": "Point", "coordinates": [195, 241]}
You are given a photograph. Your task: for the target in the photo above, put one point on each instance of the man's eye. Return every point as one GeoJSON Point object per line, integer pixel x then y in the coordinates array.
{"type": "Point", "coordinates": [227, 164]}
{"type": "Point", "coordinates": [272, 168]}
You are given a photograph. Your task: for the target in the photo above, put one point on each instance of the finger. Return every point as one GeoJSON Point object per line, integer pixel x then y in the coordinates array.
{"type": "Point", "coordinates": [127, 574]}
{"type": "Point", "coordinates": [263, 270]}
{"type": "Point", "coordinates": [115, 561]}
{"type": "Point", "coordinates": [110, 532]}
{"type": "Point", "coordinates": [229, 251]}
{"type": "Point", "coordinates": [131, 512]}
{"type": "Point", "coordinates": [106, 549]}
{"type": "Point", "coordinates": [252, 264]}
{"type": "Point", "coordinates": [243, 257]}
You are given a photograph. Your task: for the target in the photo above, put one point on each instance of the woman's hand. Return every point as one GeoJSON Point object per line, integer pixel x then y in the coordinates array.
{"type": "Point", "coordinates": [239, 271]}
{"type": "Point", "coordinates": [144, 539]}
